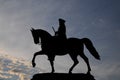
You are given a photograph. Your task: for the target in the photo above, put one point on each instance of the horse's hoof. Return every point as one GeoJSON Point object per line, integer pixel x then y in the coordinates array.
{"type": "Point", "coordinates": [33, 64]}
{"type": "Point", "coordinates": [88, 72]}
{"type": "Point", "coordinates": [70, 72]}
{"type": "Point", "coordinates": [52, 71]}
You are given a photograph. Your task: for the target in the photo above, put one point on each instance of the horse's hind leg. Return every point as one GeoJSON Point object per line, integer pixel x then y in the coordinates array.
{"type": "Point", "coordinates": [87, 62]}
{"type": "Point", "coordinates": [74, 58]}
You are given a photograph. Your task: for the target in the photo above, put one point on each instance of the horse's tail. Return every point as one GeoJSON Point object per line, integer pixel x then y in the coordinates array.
{"type": "Point", "coordinates": [91, 48]}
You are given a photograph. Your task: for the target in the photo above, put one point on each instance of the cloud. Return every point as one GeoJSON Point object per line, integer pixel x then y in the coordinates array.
{"type": "Point", "coordinates": [12, 68]}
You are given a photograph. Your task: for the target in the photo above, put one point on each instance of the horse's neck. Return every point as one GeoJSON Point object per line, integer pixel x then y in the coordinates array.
{"type": "Point", "coordinates": [45, 37]}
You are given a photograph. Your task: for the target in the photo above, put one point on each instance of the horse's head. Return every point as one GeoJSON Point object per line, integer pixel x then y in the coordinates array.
{"type": "Point", "coordinates": [35, 36]}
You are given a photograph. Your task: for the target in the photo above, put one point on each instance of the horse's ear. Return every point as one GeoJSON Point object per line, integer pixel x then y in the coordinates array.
{"type": "Point", "coordinates": [32, 29]}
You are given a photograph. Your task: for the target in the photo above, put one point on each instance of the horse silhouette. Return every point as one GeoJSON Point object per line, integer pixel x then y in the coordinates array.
{"type": "Point", "coordinates": [52, 46]}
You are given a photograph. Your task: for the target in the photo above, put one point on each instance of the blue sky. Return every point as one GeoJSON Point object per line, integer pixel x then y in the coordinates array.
{"type": "Point", "coordinates": [97, 20]}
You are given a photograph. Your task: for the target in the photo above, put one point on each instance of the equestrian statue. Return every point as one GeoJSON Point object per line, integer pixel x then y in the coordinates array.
{"type": "Point", "coordinates": [60, 45]}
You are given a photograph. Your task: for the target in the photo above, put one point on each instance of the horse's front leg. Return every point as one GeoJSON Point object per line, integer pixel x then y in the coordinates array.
{"type": "Point", "coordinates": [33, 60]}
{"type": "Point", "coordinates": [52, 66]}
{"type": "Point", "coordinates": [51, 59]}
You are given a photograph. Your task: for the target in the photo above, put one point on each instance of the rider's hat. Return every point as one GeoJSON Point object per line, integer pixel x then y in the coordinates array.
{"type": "Point", "coordinates": [61, 20]}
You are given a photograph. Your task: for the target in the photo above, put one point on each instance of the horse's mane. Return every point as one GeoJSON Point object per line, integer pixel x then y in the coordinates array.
{"type": "Point", "coordinates": [44, 33]}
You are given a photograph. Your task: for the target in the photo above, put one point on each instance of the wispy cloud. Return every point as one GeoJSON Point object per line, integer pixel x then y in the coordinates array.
{"type": "Point", "coordinates": [12, 68]}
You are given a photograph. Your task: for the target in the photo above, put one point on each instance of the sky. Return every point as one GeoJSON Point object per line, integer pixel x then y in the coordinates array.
{"type": "Point", "coordinates": [12, 68]}
{"type": "Point", "coordinates": [97, 20]}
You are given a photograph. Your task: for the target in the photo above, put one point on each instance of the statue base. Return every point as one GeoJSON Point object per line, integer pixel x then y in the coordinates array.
{"type": "Point", "coordinates": [62, 76]}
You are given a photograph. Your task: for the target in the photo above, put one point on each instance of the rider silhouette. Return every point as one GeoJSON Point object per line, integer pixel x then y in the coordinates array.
{"type": "Point", "coordinates": [61, 33]}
